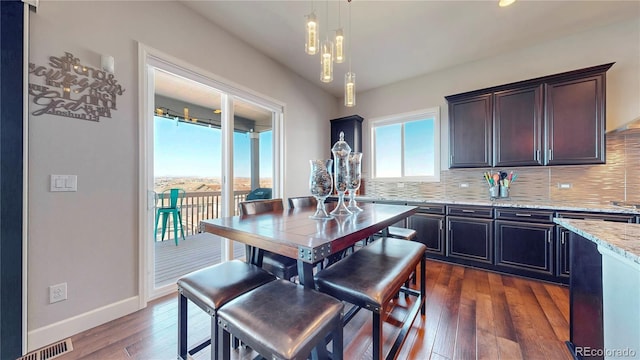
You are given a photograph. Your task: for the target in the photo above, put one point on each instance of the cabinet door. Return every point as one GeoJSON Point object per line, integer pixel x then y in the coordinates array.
{"type": "Point", "coordinates": [518, 123]}
{"type": "Point", "coordinates": [470, 239]}
{"type": "Point", "coordinates": [562, 253]}
{"type": "Point", "coordinates": [525, 246]}
{"type": "Point", "coordinates": [575, 119]}
{"type": "Point", "coordinates": [470, 131]}
{"type": "Point", "coordinates": [352, 128]}
{"type": "Point", "coordinates": [429, 231]}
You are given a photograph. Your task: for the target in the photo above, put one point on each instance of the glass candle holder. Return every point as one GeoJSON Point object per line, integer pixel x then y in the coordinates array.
{"type": "Point", "coordinates": [320, 185]}
{"type": "Point", "coordinates": [341, 151]}
{"type": "Point", "coordinates": [355, 175]}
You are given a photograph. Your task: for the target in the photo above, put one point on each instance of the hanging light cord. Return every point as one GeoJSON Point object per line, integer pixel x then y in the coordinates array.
{"type": "Point", "coordinates": [350, 55]}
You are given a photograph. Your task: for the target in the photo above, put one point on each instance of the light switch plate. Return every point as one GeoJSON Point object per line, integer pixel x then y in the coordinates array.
{"type": "Point", "coordinates": [64, 183]}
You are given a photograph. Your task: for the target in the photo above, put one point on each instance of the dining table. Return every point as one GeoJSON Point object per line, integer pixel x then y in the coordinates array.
{"type": "Point", "coordinates": [293, 233]}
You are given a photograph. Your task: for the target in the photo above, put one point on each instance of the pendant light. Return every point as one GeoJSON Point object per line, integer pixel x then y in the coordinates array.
{"type": "Point", "coordinates": [326, 56]}
{"type": "Point", "coordinates": [311, 33]}
{"type": "Point", "coordinates": [350, 77]}
{"type": "Point", "coordinates": [339, 40]}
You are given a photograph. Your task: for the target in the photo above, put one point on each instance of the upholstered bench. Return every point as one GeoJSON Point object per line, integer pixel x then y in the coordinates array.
{"type": "Point", "coordinates": [282, 320]}
{"type": "Point", "coordinates": [370, 277]}
{"type": "Point", "coordinates": [402, 233]}
{"type": "Point", "coordinates": [210, 288]}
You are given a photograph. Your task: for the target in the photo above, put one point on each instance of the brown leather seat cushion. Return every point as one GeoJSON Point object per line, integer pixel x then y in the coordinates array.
{"type": "Point", "coordinates": [281, 318]}
{"type": "Point", "coordinates": [371, 276]}
{"type": "Point", "coordinates": [214, 286]}
{"type": "Point", "coordinates": [280, 265]}
{"type": "Point", "coordinates": [402, 233]}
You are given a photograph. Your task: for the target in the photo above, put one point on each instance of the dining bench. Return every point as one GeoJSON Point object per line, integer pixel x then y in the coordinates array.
{"type": "Point", "coordinates": [371, 277]}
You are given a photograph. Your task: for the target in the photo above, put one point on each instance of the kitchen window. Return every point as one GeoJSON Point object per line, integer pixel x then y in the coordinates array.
{"type": "Point", "coordinates": [406, 146]}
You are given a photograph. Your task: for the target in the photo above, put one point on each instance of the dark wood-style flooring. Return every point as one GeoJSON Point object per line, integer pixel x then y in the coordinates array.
{"type": "Point", "coordinates": [471, 314]}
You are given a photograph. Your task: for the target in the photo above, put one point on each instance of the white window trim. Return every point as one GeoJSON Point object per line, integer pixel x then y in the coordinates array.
{"type": "Point", "coordinates": [428, 113]}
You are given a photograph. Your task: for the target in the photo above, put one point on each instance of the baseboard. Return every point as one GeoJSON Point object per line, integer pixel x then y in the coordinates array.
{"type": "Point", "coordinates": [57, 331]}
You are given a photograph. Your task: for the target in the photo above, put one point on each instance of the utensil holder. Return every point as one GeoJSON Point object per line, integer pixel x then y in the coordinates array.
{"type": "Point", "coordinates": [504, 191]}
{"type": "Point", "coordinates": [494, 191]}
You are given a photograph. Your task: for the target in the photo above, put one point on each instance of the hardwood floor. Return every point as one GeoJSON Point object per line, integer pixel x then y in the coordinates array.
{"type": "Point", "coordinates": [471, 314]}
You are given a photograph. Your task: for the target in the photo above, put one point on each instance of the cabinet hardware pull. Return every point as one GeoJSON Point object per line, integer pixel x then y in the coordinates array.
{"type": "Point", "coordinates": [549, 238]}
{"type": "Point", "coordinates": [468, 211]}
{"type": "Point", "coordinates": [549, 154]}
{"type": "Point", "coordinates": [440, 225]}
{"type": "Point", "coordinates": [538, 155]}
{"type": "Point", "coordinates": [522, 214]}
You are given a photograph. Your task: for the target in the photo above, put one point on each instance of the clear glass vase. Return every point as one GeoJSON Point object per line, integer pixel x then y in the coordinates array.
{"type": "Point", "coordinates": [355, 175]}
{"type": "Point", "coordinates": [341, 152]}
{"type": "Point", "coordinates": [320, 185]}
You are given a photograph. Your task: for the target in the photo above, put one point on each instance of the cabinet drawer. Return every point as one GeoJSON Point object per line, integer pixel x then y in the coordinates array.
{"type": "Point", "coordinates": [628, 218]}
{"type": "Point", "coordinates": [470, 211]}
{"type": "Point", "coordinates": [528, 215]}
{"type": "Point", "coordinates": [429, 208]}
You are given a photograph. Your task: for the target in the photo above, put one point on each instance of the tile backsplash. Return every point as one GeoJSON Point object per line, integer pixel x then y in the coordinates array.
{"type": "Point", "coordinates": [618, 179]}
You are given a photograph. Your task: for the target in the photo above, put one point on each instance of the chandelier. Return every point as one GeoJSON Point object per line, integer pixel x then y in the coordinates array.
{"type": "Point", "coordinates": [331, 50]}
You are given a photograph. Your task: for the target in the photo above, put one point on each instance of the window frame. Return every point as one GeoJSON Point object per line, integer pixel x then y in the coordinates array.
{"type": "Point", "coordinates": [402, 118]}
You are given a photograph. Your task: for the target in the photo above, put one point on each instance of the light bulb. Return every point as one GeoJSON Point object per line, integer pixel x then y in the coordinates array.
{"type": "Point", "coordinates": [339, 46]}
{"type": "Point", "coordinates": [350, 89]}
{"type": "Point", "coordinates": [186, 114]}
{"type": "Point", "coordinates": [326, 60]}
{"type": "Point", "coordinates": [503, 3]}
{"type": "Point", "coordinates": [311, 39]}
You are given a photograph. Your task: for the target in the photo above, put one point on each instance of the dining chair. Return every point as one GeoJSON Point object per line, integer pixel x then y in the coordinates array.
{"type": "Point", "coordinates": [176, 199]}
{"type": "Point", "coordinates": [279, 265]}
{"type": "Point", "coordinates": [302, 201]}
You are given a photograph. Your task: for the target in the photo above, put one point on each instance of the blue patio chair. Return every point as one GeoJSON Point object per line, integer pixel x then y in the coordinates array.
{"type": "Point", "coordinates": [176, 198]}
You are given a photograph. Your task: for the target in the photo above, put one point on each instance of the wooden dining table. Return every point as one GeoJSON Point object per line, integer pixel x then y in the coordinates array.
{"type": "Point", "coordinates": [292, 233]}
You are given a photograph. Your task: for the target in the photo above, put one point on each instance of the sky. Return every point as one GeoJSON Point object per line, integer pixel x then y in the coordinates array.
{"type": "Point", "coordinates": [188, 150]}
{"type": "Point", "coordinates": [418, 155]}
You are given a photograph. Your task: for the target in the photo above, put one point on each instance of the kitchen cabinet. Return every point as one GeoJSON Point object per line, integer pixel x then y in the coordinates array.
{"type": "Point", "coordinates": [470, 234]}
{"type": "Point", "coordinates": [524, 242]}
{"type": "Point", "coordinates": [575, 119]}
{"type": "Point", "coordinates": [352, 128]}
{"type": "Point", "coordinates": [428, 223]}
{"type": "Point", "coordinates": [553, 120]}
{"type": "Point", "coordinates": [518, 122]}
{"type": "Point", "coordinates": [563, 253]}
{"type": "Point", "coordinates": [470, 131]}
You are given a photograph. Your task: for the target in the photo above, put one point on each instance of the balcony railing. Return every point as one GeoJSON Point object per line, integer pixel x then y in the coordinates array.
{"type": "Point", "coordinates": [196, 206]}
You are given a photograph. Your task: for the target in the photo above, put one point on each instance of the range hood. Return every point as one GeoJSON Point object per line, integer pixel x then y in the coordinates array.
{"type": "Point", "coordinates": [631, 127]}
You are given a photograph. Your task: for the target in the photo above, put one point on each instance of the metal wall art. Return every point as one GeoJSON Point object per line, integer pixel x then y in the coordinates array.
{"type": "Point", "coordinates": [66, 87]}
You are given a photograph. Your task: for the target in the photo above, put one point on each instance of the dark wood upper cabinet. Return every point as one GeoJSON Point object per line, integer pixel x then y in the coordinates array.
{"type": "Point", "coordinates": [575, 114]}
{"type": "Point", "coordinates": [553, 120]}
{"type": "Point", "coordinates": [518, 120]}
{"type": "Point", "coordinates": [470, 131]}
{"type": "Point", "coordinates": [352, 128]}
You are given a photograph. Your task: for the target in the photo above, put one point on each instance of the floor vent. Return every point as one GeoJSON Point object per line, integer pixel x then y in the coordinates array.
{"type": "Point", "coordinates": [50, 352]}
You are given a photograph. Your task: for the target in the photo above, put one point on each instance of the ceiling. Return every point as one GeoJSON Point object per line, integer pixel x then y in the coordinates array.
{"type": "Point", "coordinates": [397, 40]}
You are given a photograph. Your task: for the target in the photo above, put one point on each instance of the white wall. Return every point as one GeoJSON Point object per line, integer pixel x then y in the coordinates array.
{"type": "Point", "coordinates": [619, 43]}
{"type": "Point", "coordinates": [89, 238]}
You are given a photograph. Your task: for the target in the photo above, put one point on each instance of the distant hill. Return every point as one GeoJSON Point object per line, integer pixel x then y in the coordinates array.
{"type": "Point", "coordinates": [199, 184]}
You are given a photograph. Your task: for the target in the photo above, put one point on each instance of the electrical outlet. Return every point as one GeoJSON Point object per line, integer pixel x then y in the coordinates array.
{"type": "Point", "coordinates": [564, 185]}
{"type": "Point", "coordinates": [464, 185]}
{"type": "Point", "coordinates": [400, 185]}
{"type": "Point", "coordinates": [57, 293]}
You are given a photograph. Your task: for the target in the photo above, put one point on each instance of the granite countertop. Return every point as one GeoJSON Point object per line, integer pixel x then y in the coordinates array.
{"type": "Point", "coordinates": [621, 238]}
{"type": "Point", "coordinates": [550, 205]}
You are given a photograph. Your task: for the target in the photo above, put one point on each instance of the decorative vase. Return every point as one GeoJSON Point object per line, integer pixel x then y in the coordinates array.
{"type": "Point", "coordinates": [320, 185]}
{"type": "Point", "coordinates": [341, 152]}
{"type": "Point", "coordinates": [355, 174]}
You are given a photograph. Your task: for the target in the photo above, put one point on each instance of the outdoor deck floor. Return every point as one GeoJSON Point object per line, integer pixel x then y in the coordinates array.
{"type": "Point", "coordinates": [193, 253]}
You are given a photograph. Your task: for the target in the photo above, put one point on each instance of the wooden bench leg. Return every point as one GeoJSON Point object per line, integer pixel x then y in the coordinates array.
{"type": "Point", "coordinates": [377, 336]}
{"type": "Point", "coordinates": [423, 275]}
{"type": "Point", "coordinates": [223, 340]}
{"type": "Point", "coordinates": [182, 327]}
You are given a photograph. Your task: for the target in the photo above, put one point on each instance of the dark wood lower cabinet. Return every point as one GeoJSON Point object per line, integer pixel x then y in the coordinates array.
{"type": "Point", "coordinates": [430, 232]}
{"type": "Point", "coordinates": [470, 239]}
{"type": "Point", "coordinates": [585, 299]}
{"type": "Point", "coordinates": [526, 248]}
